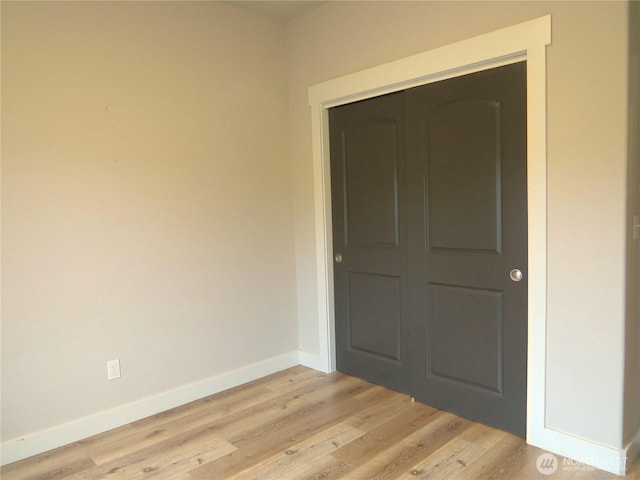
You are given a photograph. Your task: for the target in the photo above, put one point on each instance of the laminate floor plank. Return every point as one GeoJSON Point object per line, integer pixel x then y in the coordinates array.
{"type": "Point", "coordinates": [394, 429]}
{"type": "Point", "coordinates": [447, 462]}
{"type": "Point", "coordinates": [198, 415]}
{"type": "Point", "coordinates": [260, 444]}
{"type": "Point", "coordinates": [499, 461]}
{"type": "Point", "coordinates": [325, 468]}
{"type": "Point", "coordinates": [315, 450]}
{"type": "Point", "coordinates": [282, 413]}
{"type": "Point", "coordinates": [213, 406]}
{"type": "Point", "coordinates": [293, 382]}
{"type": "Point", "coordinates": [379, 412]}
{"type": "Point", "coordinates": [300, 424]}
{"type": "Point", "coordinates": [178, 454]}
{"type": "Point", "coordinates": [483, 435]}
{"type": "Point", "coordinates": [225, 402]}
{"type": "Point", "coordinates": [212, 415]}
{"type": "Point", "coordinates": [402, 455]}
{"type": "Point", "coordinates": [57, 464]}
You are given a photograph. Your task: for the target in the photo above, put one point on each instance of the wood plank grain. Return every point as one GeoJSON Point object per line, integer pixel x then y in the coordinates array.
{"type": "Point", "coordinates": [169, 457]}
{"type": "Point", "coordinates": [55, 464]}
{"type": "Point", "coordinates": [402, 456]}
{"type": "Point", "coordinates": [451, 460]}
{"type": "Point", "coordinates": [313, 451]}
{"type": "Point", "coordinates": [379, 412]}
{"type": "Point", "coordinates": [203, 414]}
{"type": "Point", "coordinates": [259, 444]}
{"type": "Point", "coordinates": [394, 429]}
{"type": "Point", "coordinates": [498, 462]}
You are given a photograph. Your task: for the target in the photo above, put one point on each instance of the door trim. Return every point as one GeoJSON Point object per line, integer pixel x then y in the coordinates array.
{"type": "Point", "coordinates": [525, 41]}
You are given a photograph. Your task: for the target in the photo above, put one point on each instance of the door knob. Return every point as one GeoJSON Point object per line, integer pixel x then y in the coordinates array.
{"type": "Point", "coordinates": [338, 258]}
{"type": "Point", "coordinates": [515, 275]}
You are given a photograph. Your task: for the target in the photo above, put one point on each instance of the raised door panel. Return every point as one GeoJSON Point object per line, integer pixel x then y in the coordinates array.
{"type": "Point", "coordinates": [464, 336]}
{"type": "Point", "coordinates": [374, 315]}
{"type": "Point", "coordinates": [371, 183]}
{"type": "Point", "coordinates": [463, 176]}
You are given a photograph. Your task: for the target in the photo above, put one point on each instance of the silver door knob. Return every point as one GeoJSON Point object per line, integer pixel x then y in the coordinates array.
{"type": "Point", "coordinates": [338, 258]}
{"type": "Point", "coordinates": [515, 275]}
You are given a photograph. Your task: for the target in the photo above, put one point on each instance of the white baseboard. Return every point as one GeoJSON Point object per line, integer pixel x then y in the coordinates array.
{"type": "Point", "coordinates": [580, 451]}
{"type": "Point", "coordinates": [312, 361]}
{"type": "Point", "coordinates": [38, 442]}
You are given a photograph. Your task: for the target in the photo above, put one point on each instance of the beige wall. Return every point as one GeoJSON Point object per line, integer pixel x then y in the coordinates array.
{"type": "Point", "coordinates": [146, 202]}
{"type": "Point", "coordinates": [587, 162]}
{"type": "Point", "coordinates": [632, 368]}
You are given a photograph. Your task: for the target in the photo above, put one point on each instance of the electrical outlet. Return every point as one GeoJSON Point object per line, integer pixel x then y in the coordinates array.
{"type": "Point", "coordinates": [113, 369]}
{"type": "Point", "coordinates": [636, 227]}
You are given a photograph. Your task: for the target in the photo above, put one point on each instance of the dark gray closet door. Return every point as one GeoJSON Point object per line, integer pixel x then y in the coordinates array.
{"type": "Point", "coordinates": [430, 222]}
{"type": "Point", "coordinates": [369, 234]}
{"type": "Point", "coordinates": [467, 186]}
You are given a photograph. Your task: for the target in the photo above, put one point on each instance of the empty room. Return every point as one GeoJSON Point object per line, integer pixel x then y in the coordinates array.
{"type": "Point", "coordinates": [320, 239]}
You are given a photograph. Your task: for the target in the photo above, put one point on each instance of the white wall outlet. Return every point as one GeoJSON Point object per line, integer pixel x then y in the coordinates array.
{"type": "Point", "coordinates": [636, 227]}
{"type": "Point", "coordinates": [113, 369]}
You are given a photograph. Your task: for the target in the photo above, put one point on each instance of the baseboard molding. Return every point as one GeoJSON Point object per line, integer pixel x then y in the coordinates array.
{"type": "Point", "coordinates": [581, 452]}
{"type": "Point", "coordinates": [44, 440]}
{"type": "Point", "coordinates": [312, 361]}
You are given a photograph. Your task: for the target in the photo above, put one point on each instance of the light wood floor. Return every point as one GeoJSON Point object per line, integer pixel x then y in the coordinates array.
{"type": "Point", "coordinates": [300, 424]}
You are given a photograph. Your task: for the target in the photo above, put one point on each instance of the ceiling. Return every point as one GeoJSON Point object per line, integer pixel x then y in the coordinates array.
{"type": "Point", "coordinates": [283, 10]}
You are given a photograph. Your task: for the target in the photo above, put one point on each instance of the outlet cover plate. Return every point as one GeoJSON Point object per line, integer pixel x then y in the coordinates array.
{"type": "Point", "coordinates": [113, 369]}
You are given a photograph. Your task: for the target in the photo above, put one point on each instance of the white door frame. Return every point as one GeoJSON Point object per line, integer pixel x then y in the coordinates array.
{"type": "Point", "coordinates": [525, 41]}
